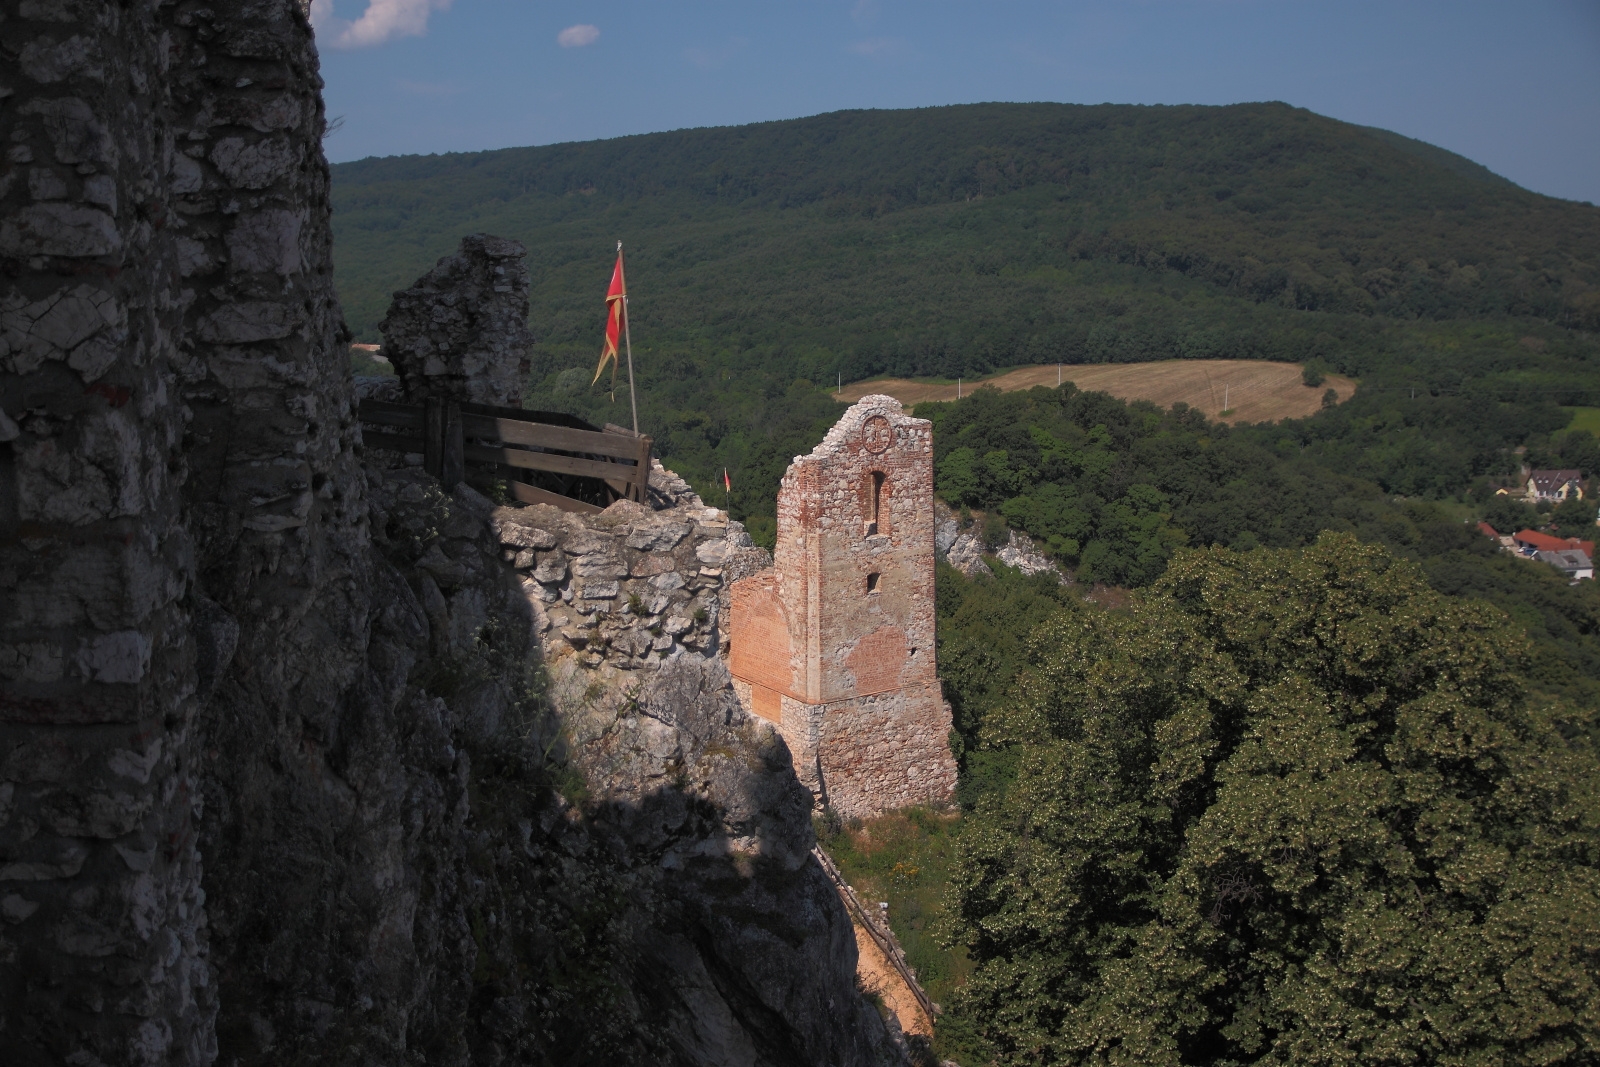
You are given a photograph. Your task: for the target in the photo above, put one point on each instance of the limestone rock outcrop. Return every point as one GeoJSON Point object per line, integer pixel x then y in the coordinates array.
{"type": "Point", "coordinates": [964, 550]}
{"type": "Point", "coordinates": [461, 330]}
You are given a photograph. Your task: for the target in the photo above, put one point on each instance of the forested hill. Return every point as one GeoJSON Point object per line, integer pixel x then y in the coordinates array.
{"type": "Point", "coordinates": [956, 240]}
{"type": "Point", "coordinates": [1264, 201]}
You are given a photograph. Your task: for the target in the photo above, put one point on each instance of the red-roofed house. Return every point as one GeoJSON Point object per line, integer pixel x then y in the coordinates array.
{"type": "Point", "coordinates": [1531, 541]}
{"type": "Point", "coordinates": [1555, 485]}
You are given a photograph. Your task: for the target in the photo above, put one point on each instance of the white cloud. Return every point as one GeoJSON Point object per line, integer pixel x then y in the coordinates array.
{"type": "Point", "coordinates": [578, 36]}
{"type": "Point", "coordinates": [381, 22]}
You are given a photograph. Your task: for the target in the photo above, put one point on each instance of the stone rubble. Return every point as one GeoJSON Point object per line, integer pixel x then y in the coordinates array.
{"type": "Point", "coordinates": [1020, 552]}
{"type": "Point", "coordinates": [965, 553]}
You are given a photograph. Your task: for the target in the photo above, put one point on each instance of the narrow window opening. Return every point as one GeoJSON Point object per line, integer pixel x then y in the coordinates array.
{"type": "Point", "coordinates": [877, 502]}
{"type": "Point", "coordinates": [872, 583]}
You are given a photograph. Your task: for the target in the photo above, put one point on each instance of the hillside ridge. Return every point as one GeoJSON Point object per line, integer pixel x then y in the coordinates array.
{"type": "Point", "coordinates": [714, 143]}
{"type": "Point", "coordinates": [765, 261]}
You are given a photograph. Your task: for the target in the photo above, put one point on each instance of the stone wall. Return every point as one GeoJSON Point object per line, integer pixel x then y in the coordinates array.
{"type": "Point", "coordinates": [628, 589]}
{"type": "Point", "coordinates": [103, 940]}
{"type": "Point", "coordinates": [836, 644]}
{"type": "Point", "coordinates": [694, 832]}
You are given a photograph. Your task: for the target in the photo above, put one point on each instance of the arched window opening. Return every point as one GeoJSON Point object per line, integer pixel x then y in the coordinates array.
{"type": "Point", "coordinates": [872, 582]}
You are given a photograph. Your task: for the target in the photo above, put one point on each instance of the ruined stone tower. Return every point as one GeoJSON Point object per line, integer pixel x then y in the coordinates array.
{"type": "Point", "coordinates": [835, 643]}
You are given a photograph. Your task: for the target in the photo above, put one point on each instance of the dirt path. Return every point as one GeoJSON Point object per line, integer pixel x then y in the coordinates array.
{"type": "Point", "coordinates": [877, 976]}
{"type": "Point", "coordinates": [1254, 391]}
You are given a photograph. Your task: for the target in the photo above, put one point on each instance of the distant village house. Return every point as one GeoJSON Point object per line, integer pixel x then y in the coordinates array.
{"type": "Point", "coordinates": [1530, 541]}
{"type": "Point", "coordinates": [1573, 563]}
{"type": "Point", "coordinates": [1555, 486]}
{"type": "Point", "coordinates": [1567, 554]}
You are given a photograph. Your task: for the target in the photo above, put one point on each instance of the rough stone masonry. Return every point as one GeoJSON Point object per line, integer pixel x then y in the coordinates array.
{"type": "Point", "coordinates": [461, 332]}
{"type": "Point", "coordinates": [836, 643]}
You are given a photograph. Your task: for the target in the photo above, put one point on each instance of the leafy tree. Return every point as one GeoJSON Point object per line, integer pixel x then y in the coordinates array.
{"type": "Point", "coordinates": [1574, 517]}
{"type": "Point", "coordinates": [1119, 486]}
{"type": "Point", "coordinates": [960, 478]}
{"type": "Point", "coordinates": [1509, 514]}
{"type": "Point", "coordinates": [1293, 808]}
{"type": "Point", "coordinates": [983, 627]}
{"type": "Point", "coordinates": [1579, 449]}
{"type": "Point", "coordinates": [995, 533]}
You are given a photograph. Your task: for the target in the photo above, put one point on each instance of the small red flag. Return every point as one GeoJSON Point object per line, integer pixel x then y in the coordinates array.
{"type": "Point", "coordinates": [616, 308]}
{"type": "Point", "coordinates": [725, 483]}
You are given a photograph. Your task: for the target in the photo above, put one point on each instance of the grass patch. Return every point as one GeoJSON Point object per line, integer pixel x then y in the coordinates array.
{"type": "Point", "coordinates": [362, 363]}
{"type": "Point", "coordinates": [905, 858]}
{"type": "Point", "coordinates": [1584, 419]}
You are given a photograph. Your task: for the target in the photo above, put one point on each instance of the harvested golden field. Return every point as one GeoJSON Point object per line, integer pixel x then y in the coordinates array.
{"type": "Point", "coordinates": [1254, 391]}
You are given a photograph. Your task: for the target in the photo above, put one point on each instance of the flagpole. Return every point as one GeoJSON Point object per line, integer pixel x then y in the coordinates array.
{"type": "Point", "coordinates": [627, 340]}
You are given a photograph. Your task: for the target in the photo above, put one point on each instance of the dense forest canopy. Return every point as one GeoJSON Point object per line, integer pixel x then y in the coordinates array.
{"type": "Point", "coordinates": [1292, 807]}
{"type": "Point", "coordinates": [1113, 490]}
{"type": "Point", "coordinates": [766, 261]}
{"type": "Point", "coordinates": [1271, 202]}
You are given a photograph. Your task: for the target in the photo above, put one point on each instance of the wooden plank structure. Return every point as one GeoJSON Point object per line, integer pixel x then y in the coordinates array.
{"type": "Point", "coordinates": [546, 457]}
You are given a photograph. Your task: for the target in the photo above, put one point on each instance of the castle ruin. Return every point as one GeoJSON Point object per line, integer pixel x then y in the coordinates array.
{"type": "Point", "coordinates": [835, 644]}
{"type": "Point", "coordinates": [279, 779]}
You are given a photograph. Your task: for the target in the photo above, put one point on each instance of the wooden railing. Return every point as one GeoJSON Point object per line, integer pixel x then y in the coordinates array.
{"type": "Point", "coordinates": [452, 437]}
{"type": "Point", "coordinates": [880, 934]}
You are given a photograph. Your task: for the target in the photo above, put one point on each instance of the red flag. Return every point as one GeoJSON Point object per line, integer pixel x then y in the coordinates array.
{"type": "Point", "coordinates": [725, 483]}
{"type": "Point", "coordinates": [616, 308]}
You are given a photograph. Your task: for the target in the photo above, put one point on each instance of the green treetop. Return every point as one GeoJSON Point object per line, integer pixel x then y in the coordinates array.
{"type": "Point", "coordinates": [1293, 807]}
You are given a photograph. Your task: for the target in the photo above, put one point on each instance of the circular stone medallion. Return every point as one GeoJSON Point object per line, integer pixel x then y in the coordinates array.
{"type": "Point", "coordinates": [877, 434]}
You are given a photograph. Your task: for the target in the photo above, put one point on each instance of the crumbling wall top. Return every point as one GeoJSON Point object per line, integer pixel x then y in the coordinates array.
{"type": "Point", "coordinates": [856, 425]}
{"type": "Point", "coordinates": [461, 331]}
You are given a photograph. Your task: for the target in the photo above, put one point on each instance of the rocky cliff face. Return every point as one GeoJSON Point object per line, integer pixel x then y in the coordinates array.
{"type": "Point", "coordinates": [283, 777]}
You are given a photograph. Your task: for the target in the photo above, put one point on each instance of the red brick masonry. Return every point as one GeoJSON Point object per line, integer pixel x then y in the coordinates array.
{"type": "Point", "coordinates": [835, 643]}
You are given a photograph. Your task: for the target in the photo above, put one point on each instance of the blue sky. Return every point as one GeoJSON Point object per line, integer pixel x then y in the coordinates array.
{"type": "Point", "coordinates": [1513, 85]}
